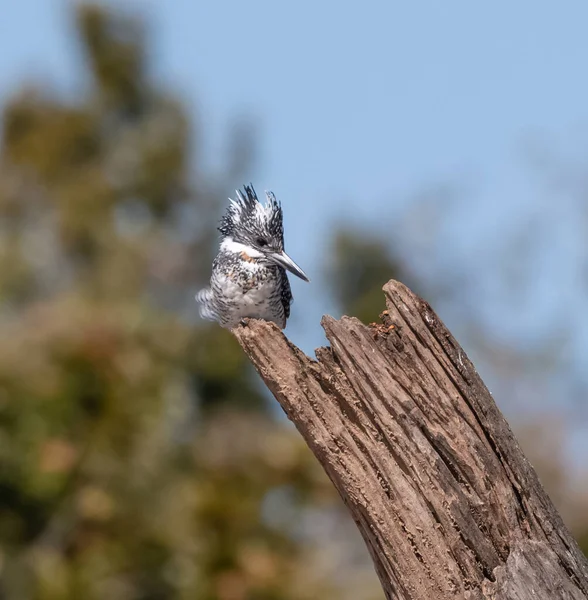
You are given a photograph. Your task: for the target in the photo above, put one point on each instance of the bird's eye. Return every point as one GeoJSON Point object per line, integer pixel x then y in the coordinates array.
{"type": "Point", "coordinates": [261, 242]}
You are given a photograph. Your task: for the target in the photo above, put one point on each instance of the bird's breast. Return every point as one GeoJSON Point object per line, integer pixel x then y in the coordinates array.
{"type": "Point", "coordinates": [248, 282]}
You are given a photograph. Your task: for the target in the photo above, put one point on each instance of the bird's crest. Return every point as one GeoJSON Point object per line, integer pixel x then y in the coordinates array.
{"type": "Point", "coordinates": [247, 214]}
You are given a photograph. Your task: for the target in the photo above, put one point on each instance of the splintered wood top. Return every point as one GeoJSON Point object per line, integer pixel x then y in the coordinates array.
{"type": "Point", "coordinates": [428, 467]}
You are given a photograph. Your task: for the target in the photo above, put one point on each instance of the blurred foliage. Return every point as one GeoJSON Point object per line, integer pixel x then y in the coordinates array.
{"type": "Point", "coordinates": [361, 264]}
{"type": "Point", "coordinates": [139, 457]}
{"type": "Point", "coordinates": [361, 267]}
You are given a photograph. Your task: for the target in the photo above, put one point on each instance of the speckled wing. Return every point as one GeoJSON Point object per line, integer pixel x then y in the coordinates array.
{"type": "Point", "coordinates": [287, 297]}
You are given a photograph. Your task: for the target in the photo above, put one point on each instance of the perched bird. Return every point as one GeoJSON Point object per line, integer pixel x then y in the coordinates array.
{"type": "Point", "coordinates": [249, 273]}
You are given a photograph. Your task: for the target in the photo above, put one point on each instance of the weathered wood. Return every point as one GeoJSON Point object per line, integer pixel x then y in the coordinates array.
{"type": "Point", "coordinates": [405, 428]}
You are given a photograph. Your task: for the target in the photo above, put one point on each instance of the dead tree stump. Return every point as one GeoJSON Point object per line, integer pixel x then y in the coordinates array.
{"type": "Point", "coordinates": [429, 469]}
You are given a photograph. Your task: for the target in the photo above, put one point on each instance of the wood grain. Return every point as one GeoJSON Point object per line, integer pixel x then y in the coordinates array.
{"type": "Point", "coordinates": [446, 501]}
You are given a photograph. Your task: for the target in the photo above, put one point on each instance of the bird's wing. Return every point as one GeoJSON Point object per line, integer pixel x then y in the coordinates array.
{"type": "Point", "coordinates": [287, 297]}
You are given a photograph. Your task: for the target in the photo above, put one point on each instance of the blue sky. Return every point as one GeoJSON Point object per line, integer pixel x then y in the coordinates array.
{"type": "Point", "coordinates": [361, 105]}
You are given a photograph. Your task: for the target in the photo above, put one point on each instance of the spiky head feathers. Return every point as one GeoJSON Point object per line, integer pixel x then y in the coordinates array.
{"type": "Point", "coordinates": [249, 221]}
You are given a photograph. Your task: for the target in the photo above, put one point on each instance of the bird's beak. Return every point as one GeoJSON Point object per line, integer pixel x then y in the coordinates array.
{"type": "Point", "coordinates": [285, 261]}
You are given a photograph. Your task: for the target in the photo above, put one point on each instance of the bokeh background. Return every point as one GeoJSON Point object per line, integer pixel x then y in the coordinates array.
{"type": "Point", "coordinates": [443, 144]}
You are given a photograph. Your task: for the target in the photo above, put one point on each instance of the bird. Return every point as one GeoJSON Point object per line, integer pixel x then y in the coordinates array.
{"type": "Point", "coordinates": [249, 277]}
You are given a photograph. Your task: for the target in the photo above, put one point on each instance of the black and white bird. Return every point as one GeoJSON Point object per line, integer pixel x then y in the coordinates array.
{"type": "Point", "coordinates": [249, 273]}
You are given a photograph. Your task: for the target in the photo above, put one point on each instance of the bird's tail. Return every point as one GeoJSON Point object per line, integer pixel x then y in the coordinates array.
{"type": "Point", "coordinates": [205, 301]}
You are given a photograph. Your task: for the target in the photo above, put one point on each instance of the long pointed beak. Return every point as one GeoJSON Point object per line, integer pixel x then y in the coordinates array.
{"type": "Point", "coordinates": [285, 261]}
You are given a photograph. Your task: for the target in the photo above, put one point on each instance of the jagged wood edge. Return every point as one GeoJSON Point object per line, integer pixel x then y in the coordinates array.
{"type": "Point", "coordinates": [326, 403]}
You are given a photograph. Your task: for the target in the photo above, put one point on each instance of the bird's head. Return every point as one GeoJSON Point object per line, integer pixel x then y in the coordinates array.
{"type": "Point", "coordinates": [257, 230]}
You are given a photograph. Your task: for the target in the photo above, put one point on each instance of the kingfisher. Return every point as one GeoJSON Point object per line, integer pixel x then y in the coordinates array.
{"type": "Point", "coordinates": [249, 273]}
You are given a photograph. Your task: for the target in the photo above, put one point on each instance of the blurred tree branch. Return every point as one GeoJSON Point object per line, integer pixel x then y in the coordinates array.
{"type": "Point", "coordinates": [447, 503]}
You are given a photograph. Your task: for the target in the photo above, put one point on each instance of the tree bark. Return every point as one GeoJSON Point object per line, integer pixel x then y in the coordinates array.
{"type": "Point", "coordinates": [429, 469]}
